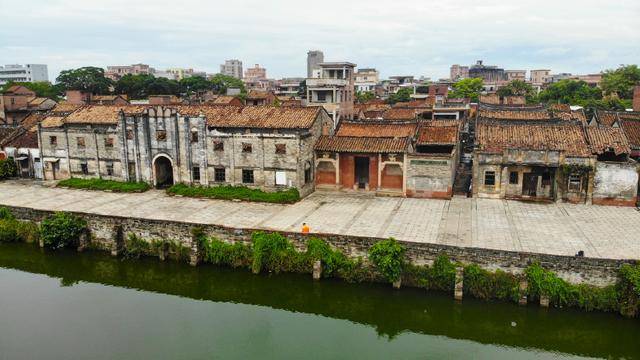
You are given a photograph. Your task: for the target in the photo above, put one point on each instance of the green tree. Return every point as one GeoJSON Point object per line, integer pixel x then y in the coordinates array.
{"type": "Point", "coordinates": [88, 78]}
{"type": "Point", "coordinates": [364, 96]}
{"type": "Point", "coordinates": [621, 81]}
{"type": "Point", "coordinates": [163, 86]}
{"type": "Point", "coordinates": [402, 95]}
{"type": "Point", "coordinates": [518, 88]}
{"type": "Point", "coordinates": [41, 88]}
{"type": "Point", "coordinates": [195, 84]}
{"type": "Point", "coordinates": [222, 82]}
{"type": "Point", "coordinates": [572, 92]}
{"type": "Point", "coordinates": [467, 88]}
{"type": "Point", "coordinates": [61, 229]}
{"type": "Point", "coordinates": [135, 86]}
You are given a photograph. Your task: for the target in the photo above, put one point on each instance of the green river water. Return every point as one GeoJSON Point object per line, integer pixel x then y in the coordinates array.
{"type": "Point", "coordinates": [69, 305]}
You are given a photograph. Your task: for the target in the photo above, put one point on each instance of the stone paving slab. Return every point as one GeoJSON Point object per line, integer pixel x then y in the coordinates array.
{"type": "Point", "coordinates": [563, 229]}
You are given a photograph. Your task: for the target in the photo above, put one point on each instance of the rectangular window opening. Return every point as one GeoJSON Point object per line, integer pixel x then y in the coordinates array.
{"type": "Point", "coordinates": [247, 176]}
{"type": "Point", "coordinates": [489, 178]}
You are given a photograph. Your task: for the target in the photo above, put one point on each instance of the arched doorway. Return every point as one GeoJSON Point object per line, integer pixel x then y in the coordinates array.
{"type": "Point", "coordinates": [163, 172]}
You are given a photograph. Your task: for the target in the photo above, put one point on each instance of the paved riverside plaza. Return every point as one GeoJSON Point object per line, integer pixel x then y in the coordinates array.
{"type": "Point", "coordinates": [563, 229]}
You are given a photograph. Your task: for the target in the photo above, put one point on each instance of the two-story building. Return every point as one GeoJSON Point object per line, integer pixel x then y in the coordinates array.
{"type": "Point", "coordinates": [263, 147]}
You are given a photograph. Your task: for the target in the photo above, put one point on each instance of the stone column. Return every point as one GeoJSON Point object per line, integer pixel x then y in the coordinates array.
{"type": "Point", "coordinates": [524, 285]}
{"type": "Point", "coordinates": [544, 300]}
{"type": "Point", "coordinates": [83, 240]}
{"type": "Point", "coordinates": [459, 286]}
{"type": "Point", "coordinates": [118, 241]}
{"type": "Point", "coordinates": [317, 270]}
{"type": "Point", "coordinates": [196, 253]}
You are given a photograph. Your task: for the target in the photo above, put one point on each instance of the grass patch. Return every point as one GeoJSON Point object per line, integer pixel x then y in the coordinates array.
{"type": "Point", "coordinates": [104, 185]}
{"type": "Point", "coordinates": [229, 192]}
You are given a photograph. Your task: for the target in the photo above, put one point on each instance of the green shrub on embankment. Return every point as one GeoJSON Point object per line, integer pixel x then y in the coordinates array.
{"type": "Point", "coordinates": [136, 247]}
{"type": "Point", "coordinates": [229, 192]}
{"type": "Point", "coordinates": [12, 230]}
{"type": "Point", "coordinates": [104, 185]}
{"type": "Point", "coordinates": [61, 230]}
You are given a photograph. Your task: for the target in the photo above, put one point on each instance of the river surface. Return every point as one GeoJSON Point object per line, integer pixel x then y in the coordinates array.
{"type": "Point", "coordinates": [69, 305]}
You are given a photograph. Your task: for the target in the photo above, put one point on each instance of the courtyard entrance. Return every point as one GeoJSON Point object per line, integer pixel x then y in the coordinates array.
{"type": "Point", "coordinates": [362, 171]}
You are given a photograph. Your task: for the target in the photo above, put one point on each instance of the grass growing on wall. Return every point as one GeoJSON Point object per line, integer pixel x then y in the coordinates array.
{"type": "Point", "coordinates": [229, 192]}
{"type": "Point", "coordinates": [104, 185]}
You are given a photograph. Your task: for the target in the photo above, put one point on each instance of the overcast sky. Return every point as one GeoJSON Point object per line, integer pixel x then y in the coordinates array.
{"type": "Point", "coordinates": [418, 37]}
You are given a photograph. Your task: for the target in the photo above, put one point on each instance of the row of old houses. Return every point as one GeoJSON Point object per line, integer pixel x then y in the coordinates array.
{"type": "Point", "coordinates": [416, 149]}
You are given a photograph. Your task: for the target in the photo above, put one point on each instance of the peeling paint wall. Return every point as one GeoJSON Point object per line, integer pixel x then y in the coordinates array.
{"type": "Point", "coordinates": [617, 181]}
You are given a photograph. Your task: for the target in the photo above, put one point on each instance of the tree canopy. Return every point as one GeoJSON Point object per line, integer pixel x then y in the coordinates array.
{"type": "Point", "coordinates": [572, 92]}
{"type": "Point", "coordinates": [88, 78]}
{"type": "Point", "coordinates": [621, 81]}
{"type": "Point", "coordinates": [222, 82]}
{"type": "Point", "coordinates": [364, 96]}
{"type": "Point", "coordinates": [467, 88]}
{"type": "Point", "coordinates": [518, 88]}
{"type": "Point", "coordinates": [403, 95]}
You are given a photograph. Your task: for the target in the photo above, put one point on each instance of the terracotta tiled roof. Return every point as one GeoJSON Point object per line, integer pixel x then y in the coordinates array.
{"type": "Point", "coordinates": [65, 108]}
{"type": "Point", "coordinates": [372, 114]}
{"type": "Point", "coordinates": [21, 138]}
{"type": "Point", "coordinates": [494, 99]}
{"type": "Point", "coordinates": [359, 129]}
{"type": "Point", "coordinates": [257, 95]}
{"type": "Point", "coordinates": [560, 107]}
{"type": "Point", "coordinates": [629, 115]}
{"type": "Point", "coordinates": [224, 99]}
{"type": "Point", "coordinates": [52, 121]}
{"type": "Point", "coordinates": [514, 114]}
{"type": "Point", "coordinates": [19, 90]}
{"type": "Point", "coordinates": [102, 114]}
{"type": "Point", "coordinates": [496, 138]}
{"type": "Point", "coordinates": [439, 133]}
{"type": "Point", "coordinates": [37, 101]}
{"type": "Point", "coordinates": [631, 129]}
{"type": "Point", "coordinates": [417, 104]}
{"type": "Point", "coordinates": [562, 113]}
{"type": "Point", "coordinates": [602, 139]}
{"type": "Point", "coordinates": [372, 107]}
{"type": "Point", "coordinates": [399, 114]}
{"type": "Point", "coordinates": [362, 144]}
{"type": "Point", "coordinates": [33, 119]}
{"type": "Point", "coordinates": [606, 118]}
{"type": "Point", "coordinates": [291, 103]}
{"type": "Point", "coordinates": [262, 117]}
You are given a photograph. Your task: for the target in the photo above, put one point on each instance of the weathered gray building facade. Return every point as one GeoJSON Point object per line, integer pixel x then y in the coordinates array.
{"type": "Point", "coordinates": [264, 147]}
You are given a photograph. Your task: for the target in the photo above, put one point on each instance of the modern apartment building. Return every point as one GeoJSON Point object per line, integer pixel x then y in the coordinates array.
{"type": "Point", "coordinates": [539, 76]}
{"type": "Point", "coordinates": [23, 73]}
{"type": "Point", "coordinates": [232, 68]}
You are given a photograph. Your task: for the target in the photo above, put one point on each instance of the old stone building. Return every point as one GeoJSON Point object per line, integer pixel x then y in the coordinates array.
{"type": "Point", "coordinates": [17, 102]}
{"type": "Point", "coordinates": [551, 154]}
{"type": "Point", "coordinates": [265, 147]}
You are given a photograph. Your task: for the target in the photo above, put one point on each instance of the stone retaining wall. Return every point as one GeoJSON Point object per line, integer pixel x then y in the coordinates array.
{"type": "Point", "coordinates": [108, 233]}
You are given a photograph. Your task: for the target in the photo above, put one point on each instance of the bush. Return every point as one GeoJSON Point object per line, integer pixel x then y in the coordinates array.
{"type": "Point", "coordinates": [8, 169]}
{"type": "Point", "coordinates": [221, 253]}
{"type": "Point", "coordinates": [487, 285]}
{"type": "Point", "coordinates": [628, 289]}
{"type": "Point", "coordinates": [61, 229]}
{"type": "Point", "coordinates": [547, 283]}
{"type": "Point", "coordinates": [228, 192]}
{"type": "Point", "coordinates": [388, 257]}
{"type": "Point", "coordinates": [273, 252]}
{"type": "Point", "coordinates": [332, 261]}
{"type": "Point", "coordinates": [101, 184]}
{"type": "Point", "coordinates": [8, 231]}
{"type": "Point", "coordinates": [136, 247]}
{"type": "Point", "coordinates": [5, 214]}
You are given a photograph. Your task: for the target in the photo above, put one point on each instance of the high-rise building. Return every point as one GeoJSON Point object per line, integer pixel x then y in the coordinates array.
{"type": "Point", "coordinates": [314, 57]}
{"type": "Point", "coordinates": [23, 73]}
{"type": "Point", "coordinates": [232, 68]}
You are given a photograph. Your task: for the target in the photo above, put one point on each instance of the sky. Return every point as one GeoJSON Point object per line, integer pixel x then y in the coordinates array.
{"type": "Point", "coordinates": [401, 37]}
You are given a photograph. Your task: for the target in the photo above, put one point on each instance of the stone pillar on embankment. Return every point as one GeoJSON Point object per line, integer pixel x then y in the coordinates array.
{"type": "Point", "coordinates": [522, 292]}
{"type": "Point", "coordinates": [109, 232]}
{"type": "Point", "coordinates": [459, 284]}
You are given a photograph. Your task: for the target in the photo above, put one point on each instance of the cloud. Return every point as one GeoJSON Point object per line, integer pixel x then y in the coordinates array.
{"type": "Point", "coordinates": [420, 37]}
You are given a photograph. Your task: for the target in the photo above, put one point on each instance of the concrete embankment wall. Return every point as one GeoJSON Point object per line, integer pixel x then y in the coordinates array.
{"type": "Point", "coordinates": [109, 232]}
